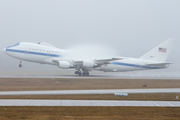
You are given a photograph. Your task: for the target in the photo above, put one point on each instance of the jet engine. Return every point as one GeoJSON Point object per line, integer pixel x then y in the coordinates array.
{"type": "Point", "coordinates": [88, 63]}
{"type": "Point", "coordinates": [64, 64]}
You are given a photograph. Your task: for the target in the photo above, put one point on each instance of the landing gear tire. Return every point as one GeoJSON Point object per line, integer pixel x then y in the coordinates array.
{"type": "Point", "coordinates": [20, 65]}
{"type": "Point", "coordinates": [78, 72]}
{"type": "Point", "coordinates": [85, 73]}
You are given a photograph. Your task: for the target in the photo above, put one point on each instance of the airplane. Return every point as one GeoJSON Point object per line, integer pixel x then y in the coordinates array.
{"type": "Point", "coordinates": [45, 53]}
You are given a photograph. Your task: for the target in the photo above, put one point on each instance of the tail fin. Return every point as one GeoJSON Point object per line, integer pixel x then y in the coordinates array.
{"type": "Point", "coordinates": [160, 52]}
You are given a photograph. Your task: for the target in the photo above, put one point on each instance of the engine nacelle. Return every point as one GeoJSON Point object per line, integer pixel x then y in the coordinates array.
{"type": "Point", "coordinates": [88, 63]}
{"type": "Point", "coordinates": [64, 64]}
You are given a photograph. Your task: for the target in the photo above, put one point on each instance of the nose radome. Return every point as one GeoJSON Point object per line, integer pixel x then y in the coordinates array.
{"type": "Point", "coordinates": [4, 50]}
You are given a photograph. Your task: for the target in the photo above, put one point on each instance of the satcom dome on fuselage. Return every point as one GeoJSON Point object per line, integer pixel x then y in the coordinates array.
{"type": "Point", "coordinates": [45, 44]}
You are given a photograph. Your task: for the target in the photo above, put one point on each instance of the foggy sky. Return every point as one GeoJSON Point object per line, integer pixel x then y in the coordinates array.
{"type": "Point", "coordinates": [129, 27]}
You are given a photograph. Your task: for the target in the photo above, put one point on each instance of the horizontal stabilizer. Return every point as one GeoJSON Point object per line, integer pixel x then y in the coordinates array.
{"type": "Point", "coordinates": [159, 65]}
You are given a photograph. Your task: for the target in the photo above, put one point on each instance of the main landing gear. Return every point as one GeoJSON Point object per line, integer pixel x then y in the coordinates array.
{"type": "Point", "coordinates": [20, 65]}
{"type": "Point", "coordinates": [78, 72]}
{"type": "Point", "coordinates": [85, 73]}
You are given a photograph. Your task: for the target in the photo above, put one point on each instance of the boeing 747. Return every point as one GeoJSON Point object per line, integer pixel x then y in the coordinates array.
{"type": "Point", "coordinates": [45, 53]}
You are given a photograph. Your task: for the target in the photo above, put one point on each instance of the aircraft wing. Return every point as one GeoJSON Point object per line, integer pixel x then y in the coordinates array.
{"type": "Point", "coordinates": [96, 62]}
{"type": "Point", "coordinates": [106, 61]}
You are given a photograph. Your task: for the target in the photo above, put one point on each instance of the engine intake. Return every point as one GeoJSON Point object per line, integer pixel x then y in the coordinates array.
{"type": "Point", "coordinates": [88, 63]}
{"type": "Point", "coordinates": [64, 64]}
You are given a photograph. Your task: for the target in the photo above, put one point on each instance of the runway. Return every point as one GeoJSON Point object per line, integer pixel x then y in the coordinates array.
{"type": "Point", "coordinates": [90, 77]}
{"type": "Point", "coordinates": [7, 102]}
{"type": "Point", "coordinates": [59, 73]}
{"type": "Point", "coordinates": [79, 92]}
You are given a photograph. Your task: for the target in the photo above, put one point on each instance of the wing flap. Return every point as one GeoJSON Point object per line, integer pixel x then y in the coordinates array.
{"type": "Point", "coordinates": [106, 61]}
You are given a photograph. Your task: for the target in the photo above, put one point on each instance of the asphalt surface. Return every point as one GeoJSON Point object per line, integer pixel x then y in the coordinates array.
{"type": "Point", "coordinates": [77, 92]}
{"type": "Point", "coordinates": [7, 102]}
{"type": "Point", "coordinates": [59, 73]}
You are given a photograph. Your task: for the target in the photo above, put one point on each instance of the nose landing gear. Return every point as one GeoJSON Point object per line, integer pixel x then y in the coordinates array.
{"type": "Point", "coordinates": [20, 65]}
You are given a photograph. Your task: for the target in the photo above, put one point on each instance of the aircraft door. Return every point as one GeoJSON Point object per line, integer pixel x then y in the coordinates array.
{"type": "Point", "coordinates": [26, 51]}
{"type": "Point", "coordinates": [48, 54]}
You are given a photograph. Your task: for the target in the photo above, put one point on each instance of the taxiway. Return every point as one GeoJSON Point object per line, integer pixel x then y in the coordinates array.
{"type": "Point", "coordinates": [77, 92]}
{"type": "Point", "coordinates": [7, 102]}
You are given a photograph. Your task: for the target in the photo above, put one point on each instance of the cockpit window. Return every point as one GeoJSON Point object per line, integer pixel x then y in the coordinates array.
{"type": "Point", "coordinates": [17, 44]}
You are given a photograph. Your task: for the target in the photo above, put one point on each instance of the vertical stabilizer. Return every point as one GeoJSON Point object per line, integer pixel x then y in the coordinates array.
{"type": "Point", "coordinates": [160, 52]}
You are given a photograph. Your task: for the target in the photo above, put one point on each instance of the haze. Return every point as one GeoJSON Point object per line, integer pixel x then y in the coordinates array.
{"type": "Point", "coordinates": [119, 27]}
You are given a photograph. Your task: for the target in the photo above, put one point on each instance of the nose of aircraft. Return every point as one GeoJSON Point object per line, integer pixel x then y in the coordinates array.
{"type": "Point", "coordinates": [4, 50]}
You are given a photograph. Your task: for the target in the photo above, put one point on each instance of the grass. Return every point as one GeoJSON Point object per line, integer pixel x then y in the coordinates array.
{"type": "Point", "coordinates": [89, 113]}
{"type": "Point", "coordinates": [149, 97]}
{"type": "Point", "coordinates": [31, 84]}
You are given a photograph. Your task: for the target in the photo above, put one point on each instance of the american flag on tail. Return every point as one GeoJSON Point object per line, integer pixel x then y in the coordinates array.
{"type": "Point", "coordinates": [162, 50]}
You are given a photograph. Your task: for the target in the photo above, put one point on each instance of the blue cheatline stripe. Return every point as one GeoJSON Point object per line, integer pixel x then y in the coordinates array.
{"type": "Point", "coordinates": [33, 53]}
{"type": "Point", "coordinates": [13, 45]}
{"type": "Point", "coordinates": [133, 65]}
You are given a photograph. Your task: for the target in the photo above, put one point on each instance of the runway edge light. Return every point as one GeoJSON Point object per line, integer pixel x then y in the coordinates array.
{"type": "Point", "coordinates": [121, 94]}
{"type": "Point", "coordinates": [177, 97]}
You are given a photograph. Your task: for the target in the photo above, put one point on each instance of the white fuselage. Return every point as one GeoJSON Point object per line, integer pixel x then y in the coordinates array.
{"type": "Point", "coordinates": [46, 54]}
{"type": "Point", "coordinates": [34, 53]}
{"type": "Point", "coordinates": [127, 64]}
